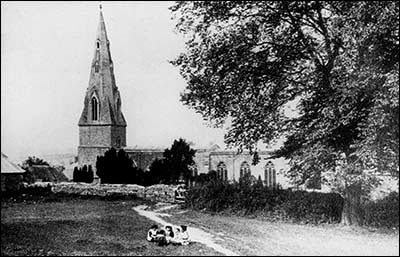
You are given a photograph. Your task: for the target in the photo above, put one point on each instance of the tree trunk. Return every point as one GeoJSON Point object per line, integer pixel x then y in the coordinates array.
{"type": "Point", "coordinates": [351, 214]}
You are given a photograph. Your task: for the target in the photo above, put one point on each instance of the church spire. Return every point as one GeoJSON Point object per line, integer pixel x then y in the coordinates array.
{"type": "Point", "coordinates": [102, 85]}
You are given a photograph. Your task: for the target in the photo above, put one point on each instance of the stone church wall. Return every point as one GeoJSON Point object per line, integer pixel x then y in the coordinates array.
{"type": "Point", "coordinates": [118, 136]}
{"type": "Point", "coordinates": [95, 136]}
{"type": "Point", "coordinates": [88, 155]}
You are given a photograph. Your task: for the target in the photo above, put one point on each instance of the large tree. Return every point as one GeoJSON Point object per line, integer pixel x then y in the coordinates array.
{"type": "Point", "coordinates": [176, 164]}
{"type": "Point", "coordinates": [246, 62]}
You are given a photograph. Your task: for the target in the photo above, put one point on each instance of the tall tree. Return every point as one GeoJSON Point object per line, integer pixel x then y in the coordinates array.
{"type": "Point", "coordinates": [178, 160]}
{"type": "Point", "coordinates": [175, 165]}
{"type": "Point", "coordinates": [247, 61]}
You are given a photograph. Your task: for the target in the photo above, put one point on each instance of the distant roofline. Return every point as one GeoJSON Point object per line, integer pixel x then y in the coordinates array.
{"type": "Point", "coordinates": [219, 152]}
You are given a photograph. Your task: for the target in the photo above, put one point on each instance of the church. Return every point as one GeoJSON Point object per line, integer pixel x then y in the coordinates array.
{"type": "Point", "coordinates": [102, 126]}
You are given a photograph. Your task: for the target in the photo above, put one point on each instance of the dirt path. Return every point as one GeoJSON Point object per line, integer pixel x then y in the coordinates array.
{"type": "Point", "coordinates": [196, 234]}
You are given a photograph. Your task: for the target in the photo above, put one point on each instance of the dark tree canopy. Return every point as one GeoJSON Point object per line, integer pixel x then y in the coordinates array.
{"type": "Point", "coordinates": [157, 173]}
{"type": "Point", "coordinates": [179, 159]}
{"type": "Point", "coordinates": [337, 62]}
{"type": "Point", "coordinates": [117, 168]}
{"type": "Point", "coordinates": [33, 160]}
{"type": "Point", "coordinates": [247, 61]}
{"type": "Point", "coordinates": [176, 165]}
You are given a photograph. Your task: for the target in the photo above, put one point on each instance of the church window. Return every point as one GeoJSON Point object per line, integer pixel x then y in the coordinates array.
{"type": "Point", "coordinates": [95, 108]}
{"type": "Point", "coordinates": [98, 44]}
{"type": "Point", "coordinates": [244, 169]}
{"type": "Point", "coordinates": [222, 172]}
{"type": "Point", "coordinates": [118, 142]}
{"type": "Point", "coordinates": [96, 67]}
{"type": "Point", "coordinates": [270, 175]}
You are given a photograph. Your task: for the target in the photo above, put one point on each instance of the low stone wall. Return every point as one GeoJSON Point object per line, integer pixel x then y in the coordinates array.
{"type": "Point", "coordinates": [160, 192]}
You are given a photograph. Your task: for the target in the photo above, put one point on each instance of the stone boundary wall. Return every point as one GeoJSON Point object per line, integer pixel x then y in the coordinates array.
{"type": "Point", "coordinates": [160, 192]}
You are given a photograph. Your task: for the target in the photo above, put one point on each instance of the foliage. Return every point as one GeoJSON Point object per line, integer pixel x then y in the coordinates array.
{"type": "Point", "coordinates": [243, 198]}
{"type": "Point", "coordinates": [178, 160]}
{"type": "Point", "coordinates": [38, 169]}
{"type": "Point", "coordinates": [33, 160]}
{"type": "Point", "coordinates": [157, 173]}
{"type": "Point", "coordinates": [336, 62]}
{"type": "Point", "coordinates": [383, 212]}
{"type": "Point", "coordinates": [175, 166]}
{"type": "Point", "coordinates": [83, 174]}
{"type": "Point", "coordinates": [118, 168]}
{"type": "Point", "coordinates": [203, 178]}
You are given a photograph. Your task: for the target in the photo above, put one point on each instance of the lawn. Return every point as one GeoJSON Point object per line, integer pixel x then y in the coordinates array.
{"type": "Point", "coordinates": [81, 227]}
{"type": "Point", "coordinates": [75, 226]}
{"type": "Point", "coordinates": [254, 236]}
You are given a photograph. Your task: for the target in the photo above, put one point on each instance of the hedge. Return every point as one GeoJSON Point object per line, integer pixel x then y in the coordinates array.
{"type": "Point", "coordinates": [279, 204]}
{"type": "Point", "coordinates": [383, 212]}
{"type": "Point", "coordinates": [275, 203]}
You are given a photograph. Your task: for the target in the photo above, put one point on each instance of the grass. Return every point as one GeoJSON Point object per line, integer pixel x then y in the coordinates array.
{"type": "Point", "coordinates": [75, 226]}
{"type": "Point", "coordinates": [72, 225]}
{"type": "Point", "coordinates": [250, 236]}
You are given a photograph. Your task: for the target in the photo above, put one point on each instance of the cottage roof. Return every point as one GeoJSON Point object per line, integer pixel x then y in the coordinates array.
{"type": "Point", "coordinates": [8, 167]}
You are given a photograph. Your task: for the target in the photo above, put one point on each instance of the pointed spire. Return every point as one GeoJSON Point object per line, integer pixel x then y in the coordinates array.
{"type": "Point", "coordinates": [102, 83]}
{"type": "Point", "coordinates": [101, 32]}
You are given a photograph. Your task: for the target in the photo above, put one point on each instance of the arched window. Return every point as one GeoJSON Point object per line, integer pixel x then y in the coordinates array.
{"type": "Point", "coordinates": [118, 142]}
{"type": "Point", "coordinates": [98, 44]}
{"type": "Point", "coordinates": [95, 108]}
{"type": "Point", "coordinates": [244, 169]}
{"type": "Point", "coordinates": [222, 172]}
{"type": "Point", "coordinates": [96, 67]}
{"type": "Point", "coordinates": [270, 175]}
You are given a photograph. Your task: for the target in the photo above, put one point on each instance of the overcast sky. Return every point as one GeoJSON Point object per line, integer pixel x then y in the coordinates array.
{"type": "Point", "coordinates": [46, 52]}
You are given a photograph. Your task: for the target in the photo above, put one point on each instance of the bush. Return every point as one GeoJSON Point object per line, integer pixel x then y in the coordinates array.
{"type": "Point", "coordinates": [244, 198]}
{"type": "Point", "coordinates": [313, 207]}
{"type": "Point", "coordinates": [83, 174]}
{"type": "Point", "coordinates": [383, 212]}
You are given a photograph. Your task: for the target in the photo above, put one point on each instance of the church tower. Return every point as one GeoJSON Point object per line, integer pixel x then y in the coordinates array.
{"type": "Point", "coordinates": [101, 125]}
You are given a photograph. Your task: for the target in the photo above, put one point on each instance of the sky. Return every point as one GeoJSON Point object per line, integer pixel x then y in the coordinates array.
{"type": "Point", "coordinates": [46, 52]}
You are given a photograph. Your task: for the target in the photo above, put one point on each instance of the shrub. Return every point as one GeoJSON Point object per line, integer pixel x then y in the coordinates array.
{"type": "Point", "coordinates": [244, 198]}
{"type": "Point", "coordinates": [83, 174]}
{"type": "Point", "coordinates": [313, 207]}
{"type": "Point", "coordinates": [383, 212]}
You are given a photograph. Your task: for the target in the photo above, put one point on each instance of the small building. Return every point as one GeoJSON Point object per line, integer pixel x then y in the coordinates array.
{"type": "Point", "coordinates": [11, 175]}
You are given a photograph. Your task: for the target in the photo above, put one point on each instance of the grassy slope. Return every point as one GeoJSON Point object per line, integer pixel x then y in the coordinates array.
{"type": "Point", "coordinates": [81, 227]}
{"type": "Point", "coordinates": [257, 237]}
